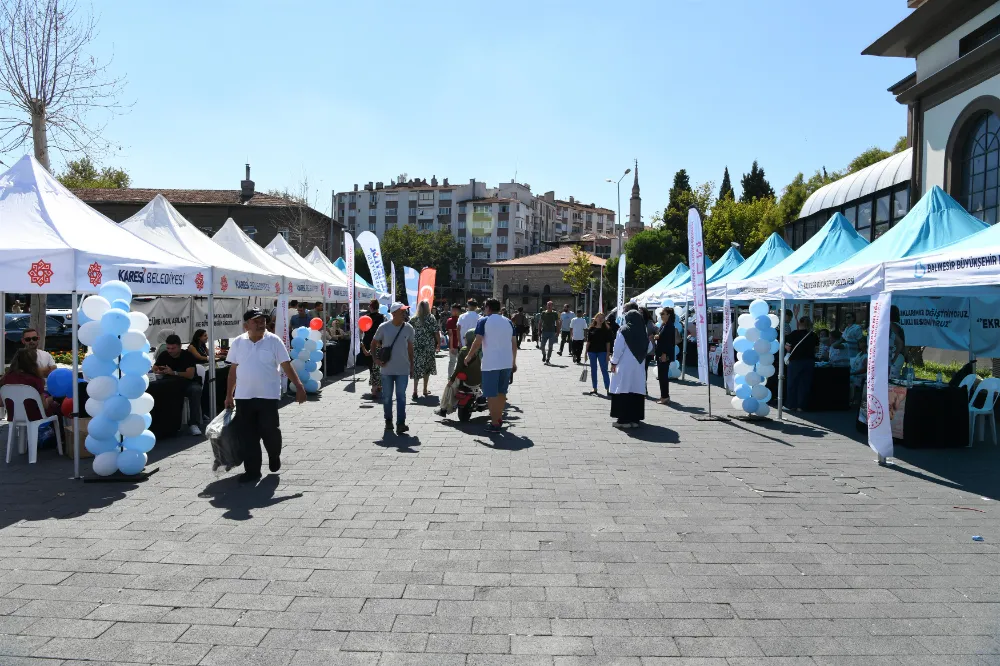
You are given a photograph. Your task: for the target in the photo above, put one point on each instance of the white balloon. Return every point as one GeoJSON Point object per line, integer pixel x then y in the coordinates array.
{"type": "Point", "coordinates": [299, 365]}
{"type": "Point", "coordinates": [741, 368]}
{"type": "Point", "coordinates": [765, 370]}
{"type": "Point", "coordinates": [102, 388]}
{"type": "Point", "coordinates": [753, 335]}
{"type": "Point", "coordinates": [106, 464]}
{"type": "Point", "coordinates": [315, 336]}
{"type": "Point", "coordinates": [762, 346]}
{"type": "Point", "coordinates": [143, 404]}
{"type": "Point", "coordinates": [93, 406]}
{"type": "Point", "coordinates": [774, 320]}
{"type": "Point", "coordinates": [745, 320]}
{"type": "Point", "coordinates": [133, 341]}
{"type": "Point", "coordinates": [89, 332]}
{"type": "Point", "coordinates": [737, 404]}
{"type": "Point", "coordinates": [759, 391]}
{"type": "Point", "coordinates": [765, 359]}
{"type": "Point", "coordinates": [762, 409]}
{"type": "Point", "coordinates": [675, 365]}
{"type": "Point", "coordinates": [139, 321]}
{"type": "Point", "coordinates": [316, 374]}
{"type": "Point", "coordinates": [95, 307]}
{"type": "Point", "coordinates": [303, 355]}
{"type": "Point", "coordinates": [753, 378]}
{"type": "Point", "coordinates": [132, 425]}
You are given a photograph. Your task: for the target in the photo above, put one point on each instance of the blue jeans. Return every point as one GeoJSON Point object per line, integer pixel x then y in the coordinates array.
{"type": "Point", "coordinates": [602, 359]}
{"type": "Point", "coordinates": [399, 381]}
{"type": "Point", "coordinates": [548, 338]}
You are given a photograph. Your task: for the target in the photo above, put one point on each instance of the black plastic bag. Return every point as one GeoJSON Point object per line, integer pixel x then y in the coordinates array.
{"type": "Point", "coordinates": [225, 444]}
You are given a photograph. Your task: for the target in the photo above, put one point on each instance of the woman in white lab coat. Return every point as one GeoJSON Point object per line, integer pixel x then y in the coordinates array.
{"type": "Point", "coordinates": [628, 381]}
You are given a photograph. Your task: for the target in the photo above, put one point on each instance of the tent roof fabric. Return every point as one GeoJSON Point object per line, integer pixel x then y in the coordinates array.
{"type": "Point", "coordinates": [342, 266]}
{"type": "Point", "coordinates": [685, 278]}
{"type": "Point", "coordinates": [283, 252]}
{"type": "Point", "coordinates": [933, 222]}
{"type": "Point", "coordinates": [232, 238]}
{"type": "Point", "coordinates": [53, 242]}
{"type": "Point", "coordinates": [836, 242]}
{"type": "Point", "coordinates": [890, 171]}
{"type": "Point", "coordinates": [724, 265]}
{"type": "Point", "coordinates": [160, 224]}
{"type": "Point", "coordinates": [663, 283]}
{"type": "Point", "coordinates": [774, 250]}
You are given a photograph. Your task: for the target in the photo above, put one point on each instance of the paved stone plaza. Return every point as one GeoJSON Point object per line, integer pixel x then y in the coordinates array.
{"type": "Point", "coordinates": [561, 541]}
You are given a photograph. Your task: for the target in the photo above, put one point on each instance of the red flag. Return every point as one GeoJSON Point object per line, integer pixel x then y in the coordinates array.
{"type": "Point", "coordinates": [426, 290]}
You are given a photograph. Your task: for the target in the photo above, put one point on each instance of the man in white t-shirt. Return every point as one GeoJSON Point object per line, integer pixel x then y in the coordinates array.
{"type": "Point", "coordinates": [495, 336]}
{"type": "Point", "coordinates": [565, 319]}
{"type": "Point", "coordinates": [46, 364]}
{"type": "Point", "coordinates": [254, 388]}
{"type": "Point", "coordinates": [467, 322]}
{"type": "Point", "coordinates": [578, 329]}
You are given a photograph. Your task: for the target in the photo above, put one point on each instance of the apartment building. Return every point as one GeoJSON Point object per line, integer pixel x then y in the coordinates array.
{"type": "Point", "coordinates": [494, 223]}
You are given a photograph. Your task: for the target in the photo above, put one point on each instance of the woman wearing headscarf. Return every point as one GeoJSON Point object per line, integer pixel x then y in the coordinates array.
{"type": "Point", "coordinates": [628, 365]}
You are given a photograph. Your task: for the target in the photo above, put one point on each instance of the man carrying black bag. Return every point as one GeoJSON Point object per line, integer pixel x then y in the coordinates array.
{"type": "Point", "coordinates": [255, 389]}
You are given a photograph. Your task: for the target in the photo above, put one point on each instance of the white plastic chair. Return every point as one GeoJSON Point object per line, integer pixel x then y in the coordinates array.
{"type": "Point", "coordinates": [18, 395]}
{"type": "Point", "coordinates": [991, 388]}
{"type": "Point", "coordinates": [969, 384]}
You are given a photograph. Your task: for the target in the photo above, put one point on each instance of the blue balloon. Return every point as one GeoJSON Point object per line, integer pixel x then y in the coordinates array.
{"type": "Point", "coordinates": [311, 366]}
{"type": "Point", "coordinates": [762, 323]}
{"type": "Point", "coordinates": [750, 405]}
{"type": "Point", "coordinates": [131, 462]}
{"type": "Point", "coordinates": [107, 347]}
{"type": "Point", "coordinates": [383, 309]}
{"type": "Point", "coordinates": [99, 446]}
{"type": "Point", "coordinates": [739, 379]}
{"type": "Point", "coordinates": [116, 290]}
{"type": "Point", "coordinates": [135, 363]}
{"type": "Point", "coordinates": [132, 386]}
{"type": "Point", "coordinates": [148, 420]}
{"type": "Point", "coordinates": [115, 322]}
{"type": "Point", "coordinates": [142, 442]}
{"type": "Point", "coordinates": [60, 382]}
{"type": "Point", "coordinates": [743, 391]}
{"type": "Point", "coordinates": [775, 346]}
{"type": "Point", "coordinates": [98, 367]}
{"type": "Point", "coordinates": [116, 408]}
{"type": "Point", "coordinates": [316, 356]}
{"type": "Point", "coordinates": [750, 357]}
{"type": "Point", "coordinates": [300, 332]}
{"type": "Point", "coordinates": [298, 343]}
{"type": "Point", "coordinates": [81, 318]}
{"type": "Point", "coordinates": [312, 386]}
{"type": "Point", "coordinates": [677, 350]}
{"type": "Point", "coordinates": [120, 305]}
{"type": "Point", "coordinates": [741, 344]}
{"type": "Point", "coordinates": [769, 334]}
{"type": "Point", "coordinates": [740, 330]}
{"type": "Point", "coordinates": [101, 427]}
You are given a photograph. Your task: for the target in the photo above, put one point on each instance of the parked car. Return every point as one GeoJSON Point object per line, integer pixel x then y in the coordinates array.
{"type": "Point", "coordinates": [58, 336]}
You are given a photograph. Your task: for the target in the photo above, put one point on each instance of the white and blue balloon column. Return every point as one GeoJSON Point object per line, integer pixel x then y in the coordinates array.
{"type": "Point", "coordinates": [307, 354]}
{"type": "Point", "coordinates": [115, 369]}
{"type": "Point", "coordinates": [756, 345]}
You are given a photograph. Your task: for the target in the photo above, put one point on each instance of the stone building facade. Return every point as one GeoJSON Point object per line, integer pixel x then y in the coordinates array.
{"type": "Point", "coordinates": [531, 281]}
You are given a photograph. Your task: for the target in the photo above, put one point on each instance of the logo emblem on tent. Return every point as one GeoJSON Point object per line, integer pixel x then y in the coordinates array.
{"type": "Point", "coordinates": [289, 287]}
{"type": "Point", "coordinates": [40, 273]}
{"type": "Point", "coordinates": [919, 269]}
{"type": "Point", "coordinates": [94, 274]}
{"type": "Point", "coordinates": [199, 281]}
{"type": "Point", "coordinates": [875, 412]}
{"type": "Point", "coordinates": [223, 283]}
{"type": "Point", "coordinates": [277, 287]}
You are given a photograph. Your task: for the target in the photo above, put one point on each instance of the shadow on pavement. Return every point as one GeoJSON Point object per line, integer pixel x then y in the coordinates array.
{"type": "Point", "coordinates": [505, 441]}
{"type": "Point", "coordinates": [652, 433]}
{"type": "Point", "coordinates": [240, 499]}
{"type": "Point", "coordinates": [402, 443]}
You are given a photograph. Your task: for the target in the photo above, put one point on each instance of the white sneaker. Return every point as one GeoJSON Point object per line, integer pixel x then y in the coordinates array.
{"type": "Point", "coordinates": [194, 430]}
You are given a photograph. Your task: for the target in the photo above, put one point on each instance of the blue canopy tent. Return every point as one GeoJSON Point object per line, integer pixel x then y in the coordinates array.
{"type": "Point", "coordinates": [685, 277]}
{"type": "Point", "coordinates": [725, 265]}
{"type": "Point", "coordinates": [773, 251]}
{"type": "Point", "coordinates": [362, 283]}
{"type": "Point", "coordinates": [663, 285]}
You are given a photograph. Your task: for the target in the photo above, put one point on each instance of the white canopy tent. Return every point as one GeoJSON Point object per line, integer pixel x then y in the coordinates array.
{"type": "Point", "coordinates": [281, 251]}
{"type": "Point", "coordinates": [320, 260]}
{"type": "Point", "coordinates": [160, 224]}
{"type": "Point", "coordinates": [55, 243]}
{"type": "Point", "coordinates": [294, 281]}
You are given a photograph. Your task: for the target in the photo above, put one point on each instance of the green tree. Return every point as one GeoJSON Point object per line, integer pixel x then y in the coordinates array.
{"type": "Point", "coordinates": [727, 187]}
{"type": "Point", "coordinates": [748, 223]}
{"type": "Point", "coordinates": [651, 254]}
{"type": "Point", "coordinates": [82, 173]}
{"type": "Point", "coordinates": [755, 185]}
{"type": "Point", "coordinates": [405, 246]}
{"type": "Point", "coordinates": [867, 158]}
{"type": "Point", "coordinates": [901, 145]}
{"type": "Point", "coordinates": [579, 272]}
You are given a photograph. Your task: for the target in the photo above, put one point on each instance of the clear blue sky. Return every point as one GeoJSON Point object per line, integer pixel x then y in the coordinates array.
{"type": "Point", "coordinates": [565, 93]}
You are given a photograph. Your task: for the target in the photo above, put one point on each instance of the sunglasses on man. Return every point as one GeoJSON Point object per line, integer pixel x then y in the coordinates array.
{"type": "Point", "coordinates": [32, 339]}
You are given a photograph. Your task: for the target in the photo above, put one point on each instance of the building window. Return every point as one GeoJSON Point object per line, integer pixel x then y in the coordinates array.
{"type": "Point", "coordinates": [444, 196]}
{"type": "Point", "coordinates": [413, 212]}
{"type": "Point", "coordinates": [900, 203]}
{"type": "Point", "coordinates": [251, 232]}
{"type": "Point", "coordinates": [371, 226]}
{"type": "Point", "coordinates": [980, 166]}
{"type": "Point", "coordinates": [504, 208]}
{"type": "Point", "coordinates": [851, 213]}
{"type": "Point", "coordinates": [864, 223]}
{"type": "Point", "coordinates": [501, 255]}
{"type": "Point", "coordinates": [482, 208]}
{"type": "Point", "coordinates": [502, 224]}
{"type": "Point", "coordinates": [284, 233]}
{"type": "Point", "coordinates": [426, 197]}
{"type": "Point", "coordinates": [881, 215]}
{"type": "Point", "coordinates": [979, 36]}
{"type": "Point", "coordinates": [444, 210]}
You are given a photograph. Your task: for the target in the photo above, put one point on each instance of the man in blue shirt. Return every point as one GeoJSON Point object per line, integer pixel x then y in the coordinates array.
{"type": "Point", "coordinates": [300, 319]}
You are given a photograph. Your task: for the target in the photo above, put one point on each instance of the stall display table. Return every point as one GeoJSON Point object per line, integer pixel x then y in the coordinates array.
{"type": "Point", "coordinates": [336, 356]}
{"type": "Point", "coordinates": [221, 380]}
{"type": "Point", "coordinates": [168, 403]}
{"type": "Point", "coordinates": [927, 415]}
{"type": "Point", "coordinates": [830, 391]}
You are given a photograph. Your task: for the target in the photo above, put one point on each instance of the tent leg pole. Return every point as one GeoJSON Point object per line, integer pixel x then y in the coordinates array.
{"type": "Point", "coordinates": [76, 386]}
{"type": "Point", "coordinates": [684, 341]}
{"type": "Point", "coordinates": [3, 345]}
{"type": "Point", "coordinates": [211, 357]}
{"type": "Point", "coordinates": [781, 359]}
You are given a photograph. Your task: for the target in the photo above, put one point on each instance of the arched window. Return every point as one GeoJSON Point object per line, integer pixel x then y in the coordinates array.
{"type": "Point", "coordinates": [979, 167]}
{"type": "Point", "coordinates": [546, 291]}
{"type": "Point", "coordinates": [972, 158]}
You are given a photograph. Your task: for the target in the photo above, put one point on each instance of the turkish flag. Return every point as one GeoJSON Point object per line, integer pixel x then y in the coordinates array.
{"type": "Point", "coordinates": [426, 290]}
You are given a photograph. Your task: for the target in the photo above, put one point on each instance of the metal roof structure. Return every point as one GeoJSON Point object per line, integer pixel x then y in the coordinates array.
{"type": "Point", "coordinates": [879, 176]}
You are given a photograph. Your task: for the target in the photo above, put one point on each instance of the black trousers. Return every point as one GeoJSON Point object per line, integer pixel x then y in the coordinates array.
{"type": "Point", "coordinates": [576, 346]}
{"type": "Point", "coordinates": [256, 422]}
{"type": "Point", "coordinates": [663, 374]}
{"type": "Point", "coordinates": [563, 339]}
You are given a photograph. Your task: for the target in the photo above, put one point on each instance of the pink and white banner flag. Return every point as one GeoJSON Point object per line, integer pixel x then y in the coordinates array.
{"type": "Point", "coordinates": [879, 429]}
{"type": "Point", "coordinates": [696, 260]}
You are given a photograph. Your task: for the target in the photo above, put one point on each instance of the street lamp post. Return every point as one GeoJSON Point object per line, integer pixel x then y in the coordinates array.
{"type": "Point", "coordinates": [618, 185]}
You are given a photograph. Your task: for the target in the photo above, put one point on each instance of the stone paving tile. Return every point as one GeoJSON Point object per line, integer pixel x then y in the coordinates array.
{"type": "Point", "coordinates": [559, 542]}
